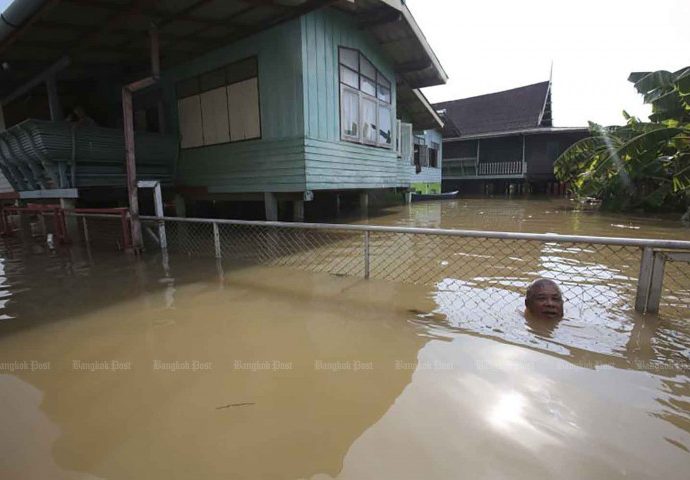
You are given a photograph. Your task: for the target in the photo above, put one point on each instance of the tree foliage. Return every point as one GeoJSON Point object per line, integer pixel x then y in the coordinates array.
{"type": "Point", "coordinates": [641, 164]}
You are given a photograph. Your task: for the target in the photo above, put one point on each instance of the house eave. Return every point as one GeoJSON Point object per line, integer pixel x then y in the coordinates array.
{"type": "Point", "coordinates": [524, 131]}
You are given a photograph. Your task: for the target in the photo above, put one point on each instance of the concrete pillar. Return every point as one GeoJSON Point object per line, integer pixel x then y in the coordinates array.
{"type": "Point", "coordinates": [364, 202]}
{"type": "Point", "coordinates": [271, 206]}
{"type": "Point", "coordinates": [71, 222]}
{"type": "Point", "coordinates": [408, 198]}
{"type": "Point", "coordinates": [337, 204]}
{"type": "Point", "coordinates": [298, 210]}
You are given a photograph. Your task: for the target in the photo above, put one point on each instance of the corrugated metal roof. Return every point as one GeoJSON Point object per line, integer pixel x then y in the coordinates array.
{"type": "Point", "coordinates": [38, 155]}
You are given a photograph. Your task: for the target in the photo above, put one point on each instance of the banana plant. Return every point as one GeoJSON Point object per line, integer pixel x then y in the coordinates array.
{"type": "Point", "coordinates": [641, 164]}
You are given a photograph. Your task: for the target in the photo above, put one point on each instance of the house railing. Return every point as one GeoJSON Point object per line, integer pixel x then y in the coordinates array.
{"type": "Point", "coordinates": [468, 167]}
{"type": "Point", "coordinates": [608, 272]}
{"type": "Point", "coordinates": [500, 168]}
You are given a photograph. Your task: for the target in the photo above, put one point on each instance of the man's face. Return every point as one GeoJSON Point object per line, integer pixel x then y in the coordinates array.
{"type": "Point", "coordinates": [546, 302]}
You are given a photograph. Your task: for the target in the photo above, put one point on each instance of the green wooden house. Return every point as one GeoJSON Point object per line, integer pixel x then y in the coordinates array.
{"type": "Point", "coordinates": [272, 101]}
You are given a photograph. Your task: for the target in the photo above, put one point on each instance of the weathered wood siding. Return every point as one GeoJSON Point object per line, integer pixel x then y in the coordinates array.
{"type": "Point", "coordinates": [273, 163]}
{"type": "Point", "coordinates": [330, 162]}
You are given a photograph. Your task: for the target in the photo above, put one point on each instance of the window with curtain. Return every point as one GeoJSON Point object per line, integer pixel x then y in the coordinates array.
{"type": "Point", "coordinates": [220, 106]}
{"type": "Point", "coordinates": [366, 114]}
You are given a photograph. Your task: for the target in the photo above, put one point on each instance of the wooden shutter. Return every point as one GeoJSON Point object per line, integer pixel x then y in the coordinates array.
{"type": "Point", "coordinates": [214, 112]}
{"type": "Point", "coordinates": [243, 105]}
{"type": "Point", "coordinates": [189, 113]}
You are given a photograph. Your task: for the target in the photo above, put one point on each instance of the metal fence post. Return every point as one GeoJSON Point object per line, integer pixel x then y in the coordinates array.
{"type": "Point", "coordinates": [160, 213]}
{"type": "Point", "coordinates": [86, 229]}
{"type": "Point", "coordinates": [216, 239]}
{"type": "Point", "coordinates": [366, 254]}
{"type": "Point", "coordinates": [644, 279]}
{"type": "Point", "coordinates": [657, 282]}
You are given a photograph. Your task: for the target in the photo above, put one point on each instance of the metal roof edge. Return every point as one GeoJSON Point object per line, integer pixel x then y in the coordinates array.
{"type": "Point", "coordinates": [524, 131]}
{"type": "Point", "coordinates": [418, 93]}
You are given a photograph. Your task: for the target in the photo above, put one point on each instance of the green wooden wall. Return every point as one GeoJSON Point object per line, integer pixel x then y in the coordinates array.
{"type": "Point", "coordinates": [300, 148]}
{"type": "Point", "coordinates": [274, 163]}
{"type": "Point", "coordinates": [330, 162]}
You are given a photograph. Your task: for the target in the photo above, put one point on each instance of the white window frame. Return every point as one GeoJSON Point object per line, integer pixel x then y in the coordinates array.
{"type": "Point", "coordinates": [365, 97]}
{"type": "Point", "coordinates": [343, 135]}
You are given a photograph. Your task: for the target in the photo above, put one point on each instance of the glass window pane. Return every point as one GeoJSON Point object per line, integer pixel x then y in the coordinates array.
{"type": "Point", "coordinates": [384, 94]}
{"type": "Point", "coordinates": [242, 70]}
{"type": "Point", "coordinates": [383, 81]}
{"type": "Point", "coordinates": [349, 77]}
{"type": "Point", "coordinates": [367, 68]}
{"type": "Point", "coordinates": [350, 113]}
{"type": "Point", "coordinates": [369, 131]}
{"type": "Point", "coordinates": [349, 57]}
{"type": "Point", "coordinates": [385, 121]}
{"type": "Point", "coordinates": [368, 86]}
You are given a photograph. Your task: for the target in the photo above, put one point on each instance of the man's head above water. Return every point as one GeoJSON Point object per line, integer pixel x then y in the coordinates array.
{"type": "Point", "coordinates": [544, 300]}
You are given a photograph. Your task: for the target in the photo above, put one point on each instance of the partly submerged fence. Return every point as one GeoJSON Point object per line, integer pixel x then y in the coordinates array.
{"type": "Point", "coordinates": [613, 273]}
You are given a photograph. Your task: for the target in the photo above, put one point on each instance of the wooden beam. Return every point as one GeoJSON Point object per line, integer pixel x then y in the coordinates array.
{"type": "Point", "coordinates": [53, 99]}
{"type": "Point", "coordinates": [50, 193]}
{"type": "Point", "coordinates": [37, 80]}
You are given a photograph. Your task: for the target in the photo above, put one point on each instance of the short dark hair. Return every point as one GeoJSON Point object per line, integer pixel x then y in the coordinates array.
{"type": "Point", "coordinates": [538, 283]}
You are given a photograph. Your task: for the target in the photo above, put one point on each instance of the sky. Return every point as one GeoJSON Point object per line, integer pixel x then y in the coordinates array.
{"type": "Point", "coordinates": [492, 45]}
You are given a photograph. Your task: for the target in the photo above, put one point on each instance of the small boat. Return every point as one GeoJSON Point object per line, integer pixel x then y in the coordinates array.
{"type": "Point", "coordinates": [420, 197]}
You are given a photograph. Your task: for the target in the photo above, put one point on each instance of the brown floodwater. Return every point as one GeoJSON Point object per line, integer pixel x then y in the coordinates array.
{"type": "Point", "coordinates": [117, 368]}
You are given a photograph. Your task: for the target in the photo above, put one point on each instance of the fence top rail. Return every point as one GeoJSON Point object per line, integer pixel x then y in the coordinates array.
{"type": "Point", "coordinates": [542, 237]}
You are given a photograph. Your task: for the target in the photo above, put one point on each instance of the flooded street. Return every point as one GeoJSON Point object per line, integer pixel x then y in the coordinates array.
{"type": "Point", "coordinates": [531, 215]}
{"type": "Point", "coordinates": [113, 368]}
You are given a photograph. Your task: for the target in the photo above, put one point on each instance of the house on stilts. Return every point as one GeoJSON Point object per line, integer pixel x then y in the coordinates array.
{"type": "Point", "coordinates": [504, 142]}
{"type": "Point", "coordinates": [274, 104]}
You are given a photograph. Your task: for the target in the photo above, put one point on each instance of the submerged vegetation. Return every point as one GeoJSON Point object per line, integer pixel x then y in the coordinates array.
{"type": "Point", "coordinates": [640, 165]}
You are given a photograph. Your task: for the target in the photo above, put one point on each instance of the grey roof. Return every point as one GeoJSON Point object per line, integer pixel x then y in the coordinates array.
{"type": "Point", "coordinates": [515, 109]}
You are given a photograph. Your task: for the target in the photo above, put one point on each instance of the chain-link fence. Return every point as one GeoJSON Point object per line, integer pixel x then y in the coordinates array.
{"type": "Point", "coordinates": [472, 269]}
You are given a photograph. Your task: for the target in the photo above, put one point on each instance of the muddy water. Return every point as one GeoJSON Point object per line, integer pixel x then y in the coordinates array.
{"type": "Point", "coordinates": [112, 368]}
{"type": "Point", "coordinates": [534, 215]}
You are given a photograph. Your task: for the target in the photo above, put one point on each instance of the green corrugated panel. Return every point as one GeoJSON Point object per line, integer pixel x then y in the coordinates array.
{"type": "Point", "coordinates": [38, 154]}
